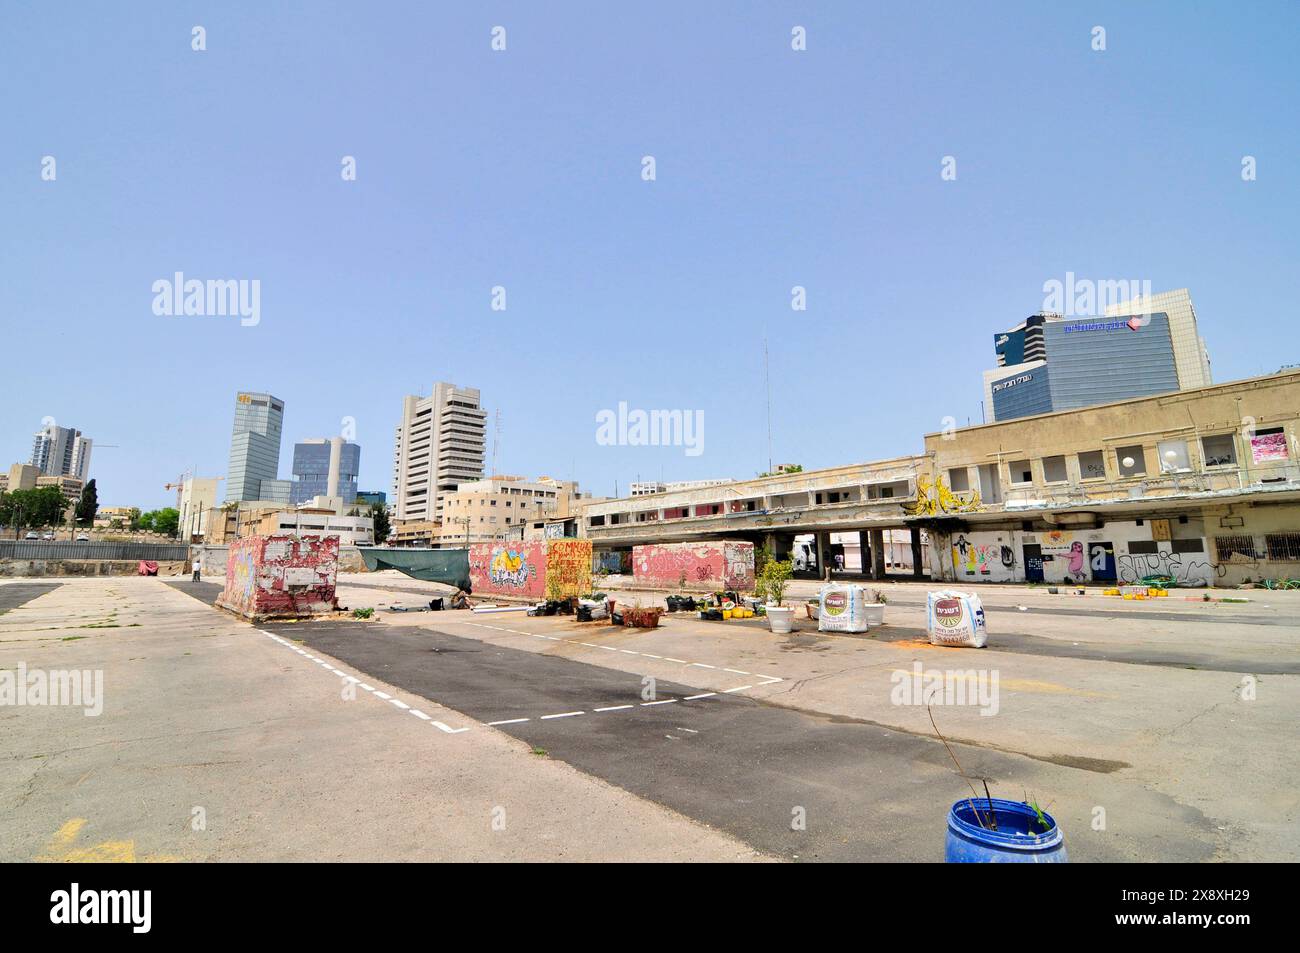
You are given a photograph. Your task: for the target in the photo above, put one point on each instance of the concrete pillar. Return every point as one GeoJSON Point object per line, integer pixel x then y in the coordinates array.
{"type": "Point", "coordinates": [823, 541]}
{"type": "Point", "coordinates": [877, 554]}
{"type": "Point", "coordinates": [917, 569]}
{"type": "Point", "coordinates": [336, 460]}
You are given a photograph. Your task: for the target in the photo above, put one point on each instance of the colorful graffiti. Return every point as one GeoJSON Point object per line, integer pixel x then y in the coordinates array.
{"type": "Point", "coordinates": [938, 500]}
{"type": "Point", "coordinates": [281, 576]}
{"type": "Point", "coordinates": [508, 569]}
{"type": "Point", "coordinates": [726, 564]}
{"type": "Point", "coordinates": [568, 568]}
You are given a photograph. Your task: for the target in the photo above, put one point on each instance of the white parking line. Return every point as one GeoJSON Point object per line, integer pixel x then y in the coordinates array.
{"type": "Point", "coordinates": [395, 702]}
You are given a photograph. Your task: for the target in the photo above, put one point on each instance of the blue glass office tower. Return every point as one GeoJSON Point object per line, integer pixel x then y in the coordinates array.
{"type": "Point", "coordinates": [325, 467]}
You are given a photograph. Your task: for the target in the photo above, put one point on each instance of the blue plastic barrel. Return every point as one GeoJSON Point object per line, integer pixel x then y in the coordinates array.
{"type": "Point", "coordinates": [1019, 838]}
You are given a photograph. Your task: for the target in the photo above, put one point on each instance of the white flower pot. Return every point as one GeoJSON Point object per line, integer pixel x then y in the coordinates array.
{"type": "Point", "coordinates": [781, 619]}
{"type": "Point", "coordinates": [874, 613]}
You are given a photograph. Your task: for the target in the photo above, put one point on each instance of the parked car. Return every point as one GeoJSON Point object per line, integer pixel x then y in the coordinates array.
{"type": "Point", "coordinates": [49, 536]}
{"type": "Point", "coordinates": [83, 538]}
{"type": "Point", "coordinates": [32, 536]}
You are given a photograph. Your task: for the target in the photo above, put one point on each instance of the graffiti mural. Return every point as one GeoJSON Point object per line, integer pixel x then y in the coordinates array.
{"type": "Point", "coordinates": [939, 500]}
{"type": "Point", "coordinates": [979, 559]}
{"type": "Point", "coordinates": [725, 564]}
{"type": "Point", "coordinates": [508, 569]}
{"type": "Point", "coordinates": [568, 568]}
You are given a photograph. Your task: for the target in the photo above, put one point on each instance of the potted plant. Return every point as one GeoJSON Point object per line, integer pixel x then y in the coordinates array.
{"type": "Point", "coordinates": [813, 608]}
{"type": "Point", "coordinates": [776, 574]}
{"type": "Point", "coordinates": [874, 611]}
{"type": "Point", "coordinates": [642, 618]}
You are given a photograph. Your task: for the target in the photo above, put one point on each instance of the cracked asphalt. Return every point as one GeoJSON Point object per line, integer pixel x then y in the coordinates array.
{"type": "Point", "coordinates": [693, 741]}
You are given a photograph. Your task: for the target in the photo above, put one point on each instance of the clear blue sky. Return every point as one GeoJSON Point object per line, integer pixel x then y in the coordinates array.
{"type": "Point", "coordinates": [522, 169]}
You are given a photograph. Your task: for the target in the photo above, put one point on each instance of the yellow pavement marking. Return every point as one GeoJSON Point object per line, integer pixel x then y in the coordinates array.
{"type": "Point", "coordinates": [62, 850]}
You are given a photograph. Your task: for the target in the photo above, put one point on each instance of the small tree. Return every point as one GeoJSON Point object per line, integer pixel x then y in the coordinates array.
{"type": "Point", "coordinates": [776, 574]}
{"type": "Point", "coordinates": [89, 504]}
{"type": "Point", "coordinates": [383, 526]}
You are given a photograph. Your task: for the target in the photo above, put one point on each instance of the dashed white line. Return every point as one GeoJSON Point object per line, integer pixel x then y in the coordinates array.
{"type": "Point", "coordinates": [395, 702]}
{"type": "Point", "coordinates": [563, 714]}
{"type": "Point", "coordinates": [510, 721]}
{"type": "Point", "coordinates": [665, 701]}
{"type": "Point", "coordinates": [612, 708]}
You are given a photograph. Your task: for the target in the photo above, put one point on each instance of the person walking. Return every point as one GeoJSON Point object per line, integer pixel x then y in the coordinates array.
{"type": "Point", "coordinates": [198, 565]}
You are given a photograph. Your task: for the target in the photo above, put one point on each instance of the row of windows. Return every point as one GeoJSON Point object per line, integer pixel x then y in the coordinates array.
{"type": "Point", "coordinates": [1172, 456]}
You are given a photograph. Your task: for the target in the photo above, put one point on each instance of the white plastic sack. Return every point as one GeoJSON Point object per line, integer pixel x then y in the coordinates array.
{"type": "Point", "coordinates": [842, 609]}
{"type": "Point", "coordinates": [956, 618]}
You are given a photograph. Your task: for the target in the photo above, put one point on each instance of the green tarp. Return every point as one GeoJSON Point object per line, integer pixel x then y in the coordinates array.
{"type": "Point", "coordinates": [450, 566]}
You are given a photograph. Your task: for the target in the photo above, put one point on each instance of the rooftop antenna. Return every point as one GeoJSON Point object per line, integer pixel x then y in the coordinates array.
{"type": "Point", "coordinates": [767, 381]}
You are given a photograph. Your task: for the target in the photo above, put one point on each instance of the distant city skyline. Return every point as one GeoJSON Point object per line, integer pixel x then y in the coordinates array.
{"type": "Point", "coordinates": [364, 218]}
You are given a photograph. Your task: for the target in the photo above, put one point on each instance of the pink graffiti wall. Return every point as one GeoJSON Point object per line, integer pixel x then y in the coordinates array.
{"type": "Point", "coordinates": [281, 576]}
{"type": "Point", "coordinates": [508, 569]}
{"type": "Point", "coordinates": [725, 564]}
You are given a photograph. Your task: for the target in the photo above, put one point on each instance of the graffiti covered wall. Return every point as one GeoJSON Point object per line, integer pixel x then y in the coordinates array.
{"type": "Point", "coordinates": [568, 567]}
{"type": "Point", "coordinates": [280, 576]}
{"type": "Point", "coordinates": [1122, 551]}
{"type": "Point", "coordinates": [509, 569]}
{"type": "Point", "coordinates": [725, 564]}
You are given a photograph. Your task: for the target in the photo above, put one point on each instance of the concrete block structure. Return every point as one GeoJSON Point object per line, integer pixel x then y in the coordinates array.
{"type": "Point", "coordinates": [280, 577]}
{"type": "Point", "coordinates": [533, 570]}
{"type": "Point", "coordinates": [707, 566]}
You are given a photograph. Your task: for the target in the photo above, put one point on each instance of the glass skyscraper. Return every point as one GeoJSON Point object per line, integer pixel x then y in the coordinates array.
{"type": "Point", "coordinates": [325, 468]}
{"type": "Point", "coordinates": [255, 449]}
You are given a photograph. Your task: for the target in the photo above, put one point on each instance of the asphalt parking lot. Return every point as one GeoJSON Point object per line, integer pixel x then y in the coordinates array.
{"type": "Point", "coordinates": [744, 744]}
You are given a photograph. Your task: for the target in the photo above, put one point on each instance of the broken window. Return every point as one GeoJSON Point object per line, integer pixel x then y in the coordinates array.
{"type": "Point", "coordinates": [1054, 469]}
{"type": "Point", "coordinates": [1132, 461]}
{"type": "Point", "coordinates": [1021, 472]}
{"type": "Point", "coordinates": [1092, 465]}
{"type": "Point", "coordinates": [959, 479]}
{"type": "Point", "coordinates": [1219, 450]}
{"type": "Point", "coordinates": [1173, 456]}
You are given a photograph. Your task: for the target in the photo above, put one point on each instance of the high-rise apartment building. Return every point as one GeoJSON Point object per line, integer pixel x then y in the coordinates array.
{"type": "Point", "coordinates": [440, 443]}
{"type": "Point", "coordinates": [255, 450]}
{"type": "Point", "coordinates": [61, 451]}
{"type": "Point", "coordinates": [325, 467]}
